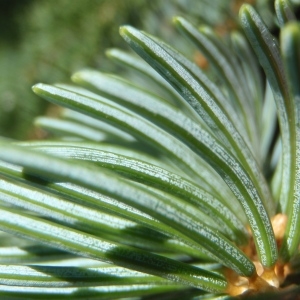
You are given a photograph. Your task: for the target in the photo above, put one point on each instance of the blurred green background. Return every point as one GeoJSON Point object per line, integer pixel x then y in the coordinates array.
{"type": "Point", "coordinates": [47, 40]}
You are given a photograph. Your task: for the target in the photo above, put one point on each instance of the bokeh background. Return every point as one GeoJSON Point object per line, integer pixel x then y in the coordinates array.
{"type": "Point", "coordinates": [46, 41]}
